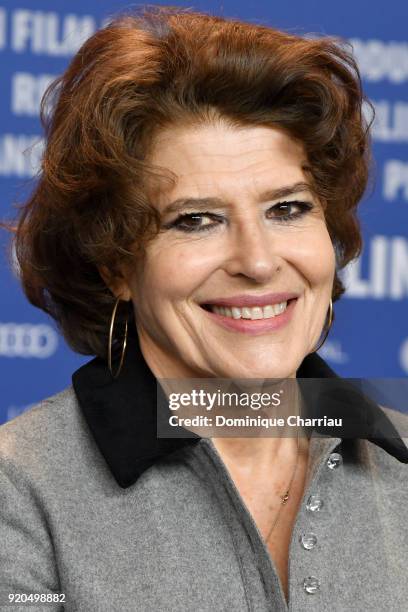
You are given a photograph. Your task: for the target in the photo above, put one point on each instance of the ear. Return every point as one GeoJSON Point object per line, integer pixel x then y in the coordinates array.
{"type": "Point", "coordinates": [116, 282]}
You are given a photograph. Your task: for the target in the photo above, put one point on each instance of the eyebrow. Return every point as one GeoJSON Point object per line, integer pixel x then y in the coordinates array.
{"type": "Point", "coordinates": [213, 202]}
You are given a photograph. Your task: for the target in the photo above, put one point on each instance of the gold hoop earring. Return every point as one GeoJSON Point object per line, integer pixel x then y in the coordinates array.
{"type": "Point", "coordinates": [112, 322]}
{"type": "Point", "coordinates": [328, 328]}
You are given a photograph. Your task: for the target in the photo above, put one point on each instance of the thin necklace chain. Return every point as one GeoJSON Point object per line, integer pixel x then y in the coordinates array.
{"type": "Point", "coordinates": [285, 497]}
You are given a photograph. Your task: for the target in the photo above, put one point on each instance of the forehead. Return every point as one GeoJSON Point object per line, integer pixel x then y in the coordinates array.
{"type": "Point", "coordinates": [218, 157]}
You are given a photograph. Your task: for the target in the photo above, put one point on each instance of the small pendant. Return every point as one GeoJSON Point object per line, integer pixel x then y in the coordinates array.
{"type": "Point", "coordinates": [285, 497]}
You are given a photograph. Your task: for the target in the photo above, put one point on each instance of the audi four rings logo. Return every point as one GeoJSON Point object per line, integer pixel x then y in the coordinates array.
{"type": "Point", "coordinates": [27, 340]}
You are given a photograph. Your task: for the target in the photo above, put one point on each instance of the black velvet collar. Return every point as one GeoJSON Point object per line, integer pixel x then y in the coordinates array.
{"type": "Point", "coordinates": [122, 416]}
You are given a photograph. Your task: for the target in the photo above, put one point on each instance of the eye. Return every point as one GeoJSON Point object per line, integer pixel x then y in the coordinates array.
{"type": "Point", "coordinates": [195, 222]}
{"type": "Point", "coordinates": [288, 211]}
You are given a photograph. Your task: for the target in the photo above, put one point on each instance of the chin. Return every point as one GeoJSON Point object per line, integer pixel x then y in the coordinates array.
{"type": "Point", "coordinates": [279, 371]}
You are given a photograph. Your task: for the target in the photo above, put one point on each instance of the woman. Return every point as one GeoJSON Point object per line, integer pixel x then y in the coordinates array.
{"type": "Point", "coordinates": [197, 199]}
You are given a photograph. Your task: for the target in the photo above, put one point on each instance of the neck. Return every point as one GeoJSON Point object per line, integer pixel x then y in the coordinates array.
{"type": "Point", "coordinates": [254, 455]}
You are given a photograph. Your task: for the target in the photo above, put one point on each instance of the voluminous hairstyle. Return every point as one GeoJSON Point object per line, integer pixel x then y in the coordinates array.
{"type": "Point", "coordinates": [163, 66]}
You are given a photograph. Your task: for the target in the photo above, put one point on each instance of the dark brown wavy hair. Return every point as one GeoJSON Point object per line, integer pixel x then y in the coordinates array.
{"type": "Point", "coordinates": [145, 71]}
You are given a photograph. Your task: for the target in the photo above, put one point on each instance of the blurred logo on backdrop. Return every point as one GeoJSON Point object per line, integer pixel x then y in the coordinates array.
{"type": "Point", "coordinates": [27, 340]}
{"type": "Point", "coordinates": [386, 274]}
{"type": "Point", "coordinates": [403, 356]}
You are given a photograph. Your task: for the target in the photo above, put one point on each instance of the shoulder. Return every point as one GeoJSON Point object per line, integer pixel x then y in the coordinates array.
{"type": "Point", "coordinates": [48, 419]}
{"type": "Point", "coordinates": [48, 440]}
{"type": "Point", "coordinates": [399, 420]}
{"type": "Point", "coordinates": [383, 464]}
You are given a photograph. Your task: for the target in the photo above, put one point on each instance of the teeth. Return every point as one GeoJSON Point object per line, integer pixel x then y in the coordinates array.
{"type": "Point", "coordinates": [246, 313]}
{"type": "Point", "coordinates": [268, 312]}
{"type": "Point", "coordinates": [236, 312]}
{"type": "Point", "coordinates": [278, 308]}
{"type": "Point", "coordinates": [256, 312]}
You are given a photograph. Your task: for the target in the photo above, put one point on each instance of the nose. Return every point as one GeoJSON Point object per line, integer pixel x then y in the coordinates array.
{"type": "Point", "coordinates": [252, 252]}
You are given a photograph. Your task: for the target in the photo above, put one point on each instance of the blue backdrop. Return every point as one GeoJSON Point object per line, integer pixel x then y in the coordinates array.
{"type": "Point", "coordinates": [370, 335]}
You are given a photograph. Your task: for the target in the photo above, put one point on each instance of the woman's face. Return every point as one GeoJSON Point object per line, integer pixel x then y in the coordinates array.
{"type": "Point", "coordinates": [235, 248]}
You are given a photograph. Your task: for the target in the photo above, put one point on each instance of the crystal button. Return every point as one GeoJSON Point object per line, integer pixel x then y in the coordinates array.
{"type": "Point", "coordinates": [314, 503]}
{"type": "Point", "coordinates": [334, 461]}
{"type": "Point", "coordinates": [308, 540]}
{"type": "Point", "coordinates": [311, 584]}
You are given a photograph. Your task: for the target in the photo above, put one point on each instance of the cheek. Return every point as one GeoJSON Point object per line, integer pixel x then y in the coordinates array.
{"type": "Point", "coordinates": [175, 271]}
{"type": "Point", "coordinates": [314, 257]}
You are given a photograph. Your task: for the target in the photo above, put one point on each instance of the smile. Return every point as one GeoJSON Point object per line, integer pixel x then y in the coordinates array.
{"type": "Point", "coordinates": [252, 320]}
{"type": "Point", "coordinates": [256, 312]}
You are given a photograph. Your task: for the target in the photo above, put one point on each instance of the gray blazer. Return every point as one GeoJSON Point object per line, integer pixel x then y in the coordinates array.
{"type": "Point", "coordinates": [95, 507]}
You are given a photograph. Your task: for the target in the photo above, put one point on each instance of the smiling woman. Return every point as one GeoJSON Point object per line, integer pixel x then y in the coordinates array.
{"type": "Point", "coordinates": [196, 203]}
{"type": "Point", "coordinates": [224, 242]}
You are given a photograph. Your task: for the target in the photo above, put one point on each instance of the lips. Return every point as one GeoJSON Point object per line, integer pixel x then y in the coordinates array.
{"type": "Point", "coordinates": [254, 326]}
